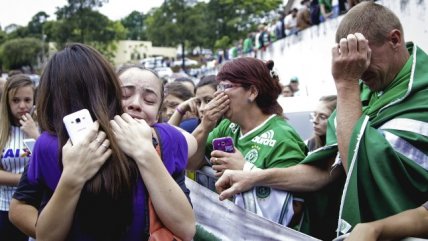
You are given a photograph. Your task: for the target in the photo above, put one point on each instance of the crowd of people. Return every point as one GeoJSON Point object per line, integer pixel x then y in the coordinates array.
{"type": "Point", "coordinates": [362, 173]}
{"type": "Point", "coordinates": [286, 24]}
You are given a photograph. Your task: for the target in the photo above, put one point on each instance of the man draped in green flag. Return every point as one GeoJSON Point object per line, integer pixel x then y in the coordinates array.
{"type": "Point", "coordinates": [378, 134]}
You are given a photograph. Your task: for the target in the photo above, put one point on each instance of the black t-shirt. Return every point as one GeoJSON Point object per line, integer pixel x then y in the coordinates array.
{"type": "Point", "coordinates": [30, 193]}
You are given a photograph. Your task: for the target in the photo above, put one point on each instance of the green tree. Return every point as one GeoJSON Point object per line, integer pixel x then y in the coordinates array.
{"type": "Point", "coordinates": [85, 26]}
{"type": "Point", "coordinates": [19, 52]}
{"type": "Point", "coordinates": [79, 21]}
{"type": "Point", "coordinates": [35, 26]}
{"type": "Point", "coordinates": [3, 37]}
{"type": "Point", "coordinates": [217, 22]}
{"type": "Point", "coordinates": [134, 23]}
{"type": "Point", "coordinates": [235, 18]}
{"type": "Point", "coordinates": [16, 31]}
{"type": "Point", "coordinates": [77, 14]}
{"type": "Point", "coordinates": [176, 22]}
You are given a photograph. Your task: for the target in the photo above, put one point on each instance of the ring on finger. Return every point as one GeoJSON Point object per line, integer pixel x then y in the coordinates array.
{"type": "Point", "coordinates": [104, 145]}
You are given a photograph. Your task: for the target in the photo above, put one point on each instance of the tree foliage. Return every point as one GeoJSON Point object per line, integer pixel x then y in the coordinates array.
{"type": "Point", "coordinates": [208, 24]}
{"type": "Point", "coordinates": [176, 22]}
{"type": "Point", "coordinates": [35, 26]}
{"type": "Point", "coordinates": [204, 24]}
{"type": "Point", "coordinates": [134, 24]}
{"type": "Point", "coordinates": [235, 18]}
{"type": "Point", "coordinates": [80, 22]}
{"type": "Point", "coordinates": [20, 52]}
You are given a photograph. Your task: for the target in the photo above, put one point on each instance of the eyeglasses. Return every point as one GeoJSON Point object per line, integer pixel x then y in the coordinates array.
{"type": "Point", "coordinates": [223, 87]}
{"type": "Point", "coordinates": [315, 115]}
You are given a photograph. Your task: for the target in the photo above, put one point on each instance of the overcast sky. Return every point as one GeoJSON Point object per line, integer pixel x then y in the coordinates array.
{"type": "Point", "coordinates": [21, 11]}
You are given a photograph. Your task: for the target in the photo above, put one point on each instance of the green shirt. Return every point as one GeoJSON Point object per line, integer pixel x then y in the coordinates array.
{"type": "Point", "coordinates": [387, 159]}
{"type": "Point", "coordinates": [327, 4]}
{"type": "Point", "coordinates": [247, 46]}
{"type": "Point", "coordinates": [274, 143]}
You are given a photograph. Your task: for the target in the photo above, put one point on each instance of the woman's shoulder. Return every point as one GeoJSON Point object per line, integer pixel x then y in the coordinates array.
{"type": "Point", "coordinates": [226, 125]}
{"type": "Point", "coordinates": [173, 147]}
{"type": "Point", "coordinates": [280, 123]}
{"type": "Point", "coordinates": [46, 141]}
{"type": "Point", "coordinates": [45, 149]}
{"type": "Point", "coordinates": [167, 132]}
{"type": "Point", "coordinates": [165, 127]}
{"type": "Point", "coordinates": [281, 127]}
{"type": "Point", "coordinates": [44, 163]}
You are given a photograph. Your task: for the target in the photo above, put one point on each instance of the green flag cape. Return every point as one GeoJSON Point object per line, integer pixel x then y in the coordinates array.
{"type": "Point", "coordinates": [388, 151]}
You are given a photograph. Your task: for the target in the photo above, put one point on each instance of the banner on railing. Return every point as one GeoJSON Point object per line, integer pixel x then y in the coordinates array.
{"type": "Point", "coordinates": [223, 220]}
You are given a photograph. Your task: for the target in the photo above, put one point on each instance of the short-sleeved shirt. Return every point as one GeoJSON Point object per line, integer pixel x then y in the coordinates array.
{"type": "Point", "coordinates": [14, 158]}
{"type": "Point", "coordinates": [44, 171]}
{"type": "Point", "coordinates": [27, 192]}
{"type": "Point", "coordinates": [274, 143]}
{"type": "Point", "coordinates": [189, 125]}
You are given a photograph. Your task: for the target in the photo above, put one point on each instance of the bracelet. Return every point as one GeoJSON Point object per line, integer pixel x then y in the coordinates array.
{"type": "Point", "coordinates": [180, 111]}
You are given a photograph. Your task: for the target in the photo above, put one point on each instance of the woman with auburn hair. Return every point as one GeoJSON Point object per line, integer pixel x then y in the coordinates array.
{"type": "Point", "coordinates": [16, 124]}
{"type": "Point", "coordinates": [246, 97]}
{"type": "Point", "coordinates": [97, 189]}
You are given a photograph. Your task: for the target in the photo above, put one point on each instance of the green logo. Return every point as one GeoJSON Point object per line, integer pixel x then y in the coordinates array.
{"type": "Point", "coordinates": [252, 156]}
{"type": "Point", "coordinates": [262, 192]}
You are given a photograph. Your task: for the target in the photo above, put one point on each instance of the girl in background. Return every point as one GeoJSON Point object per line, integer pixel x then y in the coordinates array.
{"type": "Point", "coordinates": [326, 106]}
{"type": "Point", "coordinates": [204, 93]}
{"type": "Point", "coordinates": [16, 125]}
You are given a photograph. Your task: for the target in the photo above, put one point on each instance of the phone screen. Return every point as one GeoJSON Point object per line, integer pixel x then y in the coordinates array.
{"type": "Point", "coordinates": [223, 144]}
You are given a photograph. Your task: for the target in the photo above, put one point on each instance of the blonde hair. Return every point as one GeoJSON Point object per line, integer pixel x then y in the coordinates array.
{"type": "Point", "coordinates": [10, 88]}
{"type": "Point", "coordinates": [319, 141]}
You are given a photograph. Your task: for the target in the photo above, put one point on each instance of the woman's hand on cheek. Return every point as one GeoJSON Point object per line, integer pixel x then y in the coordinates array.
{"type": "Point", "coordinates": [215, 110]}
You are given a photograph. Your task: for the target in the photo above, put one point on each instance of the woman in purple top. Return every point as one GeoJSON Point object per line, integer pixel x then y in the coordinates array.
{"type": "Point", "coordinates": [99, 185]}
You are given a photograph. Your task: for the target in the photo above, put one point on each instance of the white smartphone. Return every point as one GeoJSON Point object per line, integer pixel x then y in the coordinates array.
{"type": "Point", "coordinates": [78, 124]}
{"type": "Point", "coordinates": [29, 143]}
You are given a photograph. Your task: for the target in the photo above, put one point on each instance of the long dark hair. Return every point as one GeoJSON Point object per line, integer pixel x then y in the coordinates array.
{"type": "Point", "coordinates": [75, 78]}
{"type": "Point", "coordinates": [207, 80]}
{"type": "Point", "coordinates": [254, 72]}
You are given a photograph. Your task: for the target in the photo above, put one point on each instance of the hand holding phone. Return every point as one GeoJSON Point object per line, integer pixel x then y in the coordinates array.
{"type": "Point", "coordinates": [78, 124]}
{"type": "Point", "coordinates": [223, 144]}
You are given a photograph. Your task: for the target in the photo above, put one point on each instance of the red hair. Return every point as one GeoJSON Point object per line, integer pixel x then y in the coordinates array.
{"type": "Point", "coordinates": [254, 72]}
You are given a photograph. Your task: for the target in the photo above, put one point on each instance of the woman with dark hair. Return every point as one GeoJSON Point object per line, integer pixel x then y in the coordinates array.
{"type": "Point", "coordinates": [247, 99]}
{"type": "Point", "coordinates": [204, 93]}
{"type": "Point", "coordinates": [98, 187]}
{"type": "Point", "coordinates": [16, 125]}
{"type": "Point", "coordinates": [326, 106]}
{"type": "Point", "coordinates": [175, 94]}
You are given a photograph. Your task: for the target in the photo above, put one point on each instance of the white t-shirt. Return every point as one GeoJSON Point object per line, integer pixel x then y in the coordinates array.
{"type": "Point", "coordinates": [14, 158]}
{"type": "Point", "coordinates": [289, 21]}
